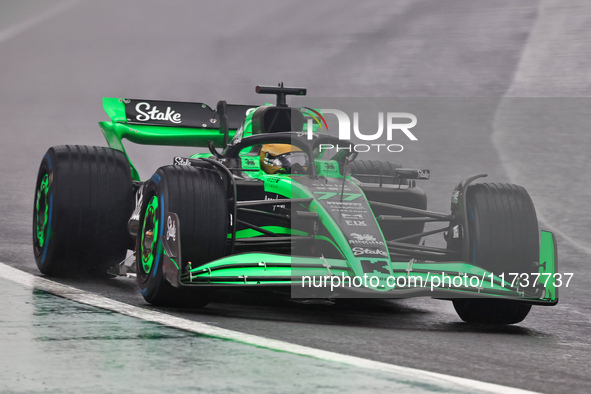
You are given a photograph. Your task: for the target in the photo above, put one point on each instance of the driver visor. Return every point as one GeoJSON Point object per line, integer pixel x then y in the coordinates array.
{"type": "Point", "coordinates": [288, 159]}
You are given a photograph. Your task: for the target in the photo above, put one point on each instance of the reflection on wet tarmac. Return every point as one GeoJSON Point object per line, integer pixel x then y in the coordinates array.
{"type": "Point", "coordinates": [52, 344]}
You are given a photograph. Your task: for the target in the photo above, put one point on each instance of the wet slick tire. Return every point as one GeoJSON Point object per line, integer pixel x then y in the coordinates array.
{"type": "Point", "coordinates": [83, 199]}
{"type": "Point", "coordinates": [505, 239]}
{"type": "Point", "coordinates": [198, 197]}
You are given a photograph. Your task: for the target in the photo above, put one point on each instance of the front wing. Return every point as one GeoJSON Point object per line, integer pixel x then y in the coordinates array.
{"type": "Point", "coordinates": [313, 277]}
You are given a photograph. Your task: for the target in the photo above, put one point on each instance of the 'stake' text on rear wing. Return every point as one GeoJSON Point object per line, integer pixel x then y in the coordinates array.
{"type": "Point", "coordinates": [174, 123]}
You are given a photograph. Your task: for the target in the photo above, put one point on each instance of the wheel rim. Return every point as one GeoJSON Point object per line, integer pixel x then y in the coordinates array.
{"type": "Point", "coordinates": [149, 236]}
{"type": "Point", "coordinates": [41, 214]}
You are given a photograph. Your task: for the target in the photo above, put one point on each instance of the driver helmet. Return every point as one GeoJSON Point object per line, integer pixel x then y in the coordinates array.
{"type": "Point", "coordinates": [283, 159]}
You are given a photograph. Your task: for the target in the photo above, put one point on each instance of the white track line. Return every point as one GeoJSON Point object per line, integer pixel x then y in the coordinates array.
{"type": "Point", "coordinates": [21, 27]}
{"type": "Point", "coordinates": [402, 373]}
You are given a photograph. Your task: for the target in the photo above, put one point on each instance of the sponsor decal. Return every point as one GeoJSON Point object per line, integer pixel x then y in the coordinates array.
{"type": "Point", "coordinates": [170, 113]}
{"type": "Point", "coordinates": [139, 197]}
{"type": "Point", "coordinates": [249, 162]}
{"type": "Point", "coordinates": [171, 229]}
{"type": "Point", "coordinates": [343, 196]}
{"type": "Point", "coordinates": [361, 251]}
{"type": "Point", "coordinates": [455, 196]}
{"type": "Point", "coordinates": [423, 174]}
{"type": "Point", "coordinates": [183, 114]}
{"type": "Point", "coordinates": [147, 112]}
{"type": "Point", "coordinates": [156, 178]}
{"type": "Point", "coordinates": [276, 197]}
{"type": "Point", "coordinates": [330, 167]}
{"type": "Point", "coordinates": [272, 184]}
{"type": "Point", "coordinates": [371, 267]}
{"type": "Point", "coordinates": [356, 223]}
{"type": "Point", "coordinates": [351, 216]}
{"type": "Point", "coordinates": [347, 207]}
{"type": "Point", "coordinates": [181, 161]}
{"type": "Point", "coordinates": [172, 248]}
{"type": "Point", "coordinates": [364, 239]}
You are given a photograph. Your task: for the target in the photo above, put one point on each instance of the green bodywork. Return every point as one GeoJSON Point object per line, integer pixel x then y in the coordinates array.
{"type": "Point", "coordinates": [452, 279]}
{"type": "Point", "coordinates": [149, 240]}
{"type": "Point", "coordinates": [442, 279]}
{"type": "Point", "coordinates": [256, 268]}
{"type": "Point", "coordinates": [41, 213]}
{"type": "Point", "coordinates": [118, 129]}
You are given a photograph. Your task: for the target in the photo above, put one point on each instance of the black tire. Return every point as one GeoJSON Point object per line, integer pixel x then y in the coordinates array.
{"type": "Point", "coordinates": [83, 200]}
{"type": "Point", "coordinates": [505, 239]}
{"type": "Point", "coordinates": [198, 197]}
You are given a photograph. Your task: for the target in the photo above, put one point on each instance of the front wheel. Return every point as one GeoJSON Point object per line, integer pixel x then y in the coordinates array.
{"type": "Point", "coordinates": [198, 197]}
{"type": "Point", "coordinates": [504, 239]}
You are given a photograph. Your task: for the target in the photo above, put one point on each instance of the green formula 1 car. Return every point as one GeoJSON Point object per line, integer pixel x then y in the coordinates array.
{"type": "Point", "coordinates": [267, 208]}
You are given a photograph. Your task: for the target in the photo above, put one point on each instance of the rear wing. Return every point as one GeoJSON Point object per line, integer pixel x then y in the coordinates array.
{"type": "Point", "coordinates": [172, 113]}
{"type": "Point", "coordinates": [174, 123]}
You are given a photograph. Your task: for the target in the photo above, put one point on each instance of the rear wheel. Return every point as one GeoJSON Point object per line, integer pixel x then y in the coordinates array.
{"type": "Point", "coordinates": [198, 197]}
{"type": "Point", "coordinates": [83, 199]}
{"type": "Point", "coordinates": [505, 239]}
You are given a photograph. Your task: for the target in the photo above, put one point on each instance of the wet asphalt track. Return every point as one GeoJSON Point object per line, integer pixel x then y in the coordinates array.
{"type": "Point", "coordinates": [53, 74]}
{"type": "Point", "coordinates": [100, 351]}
